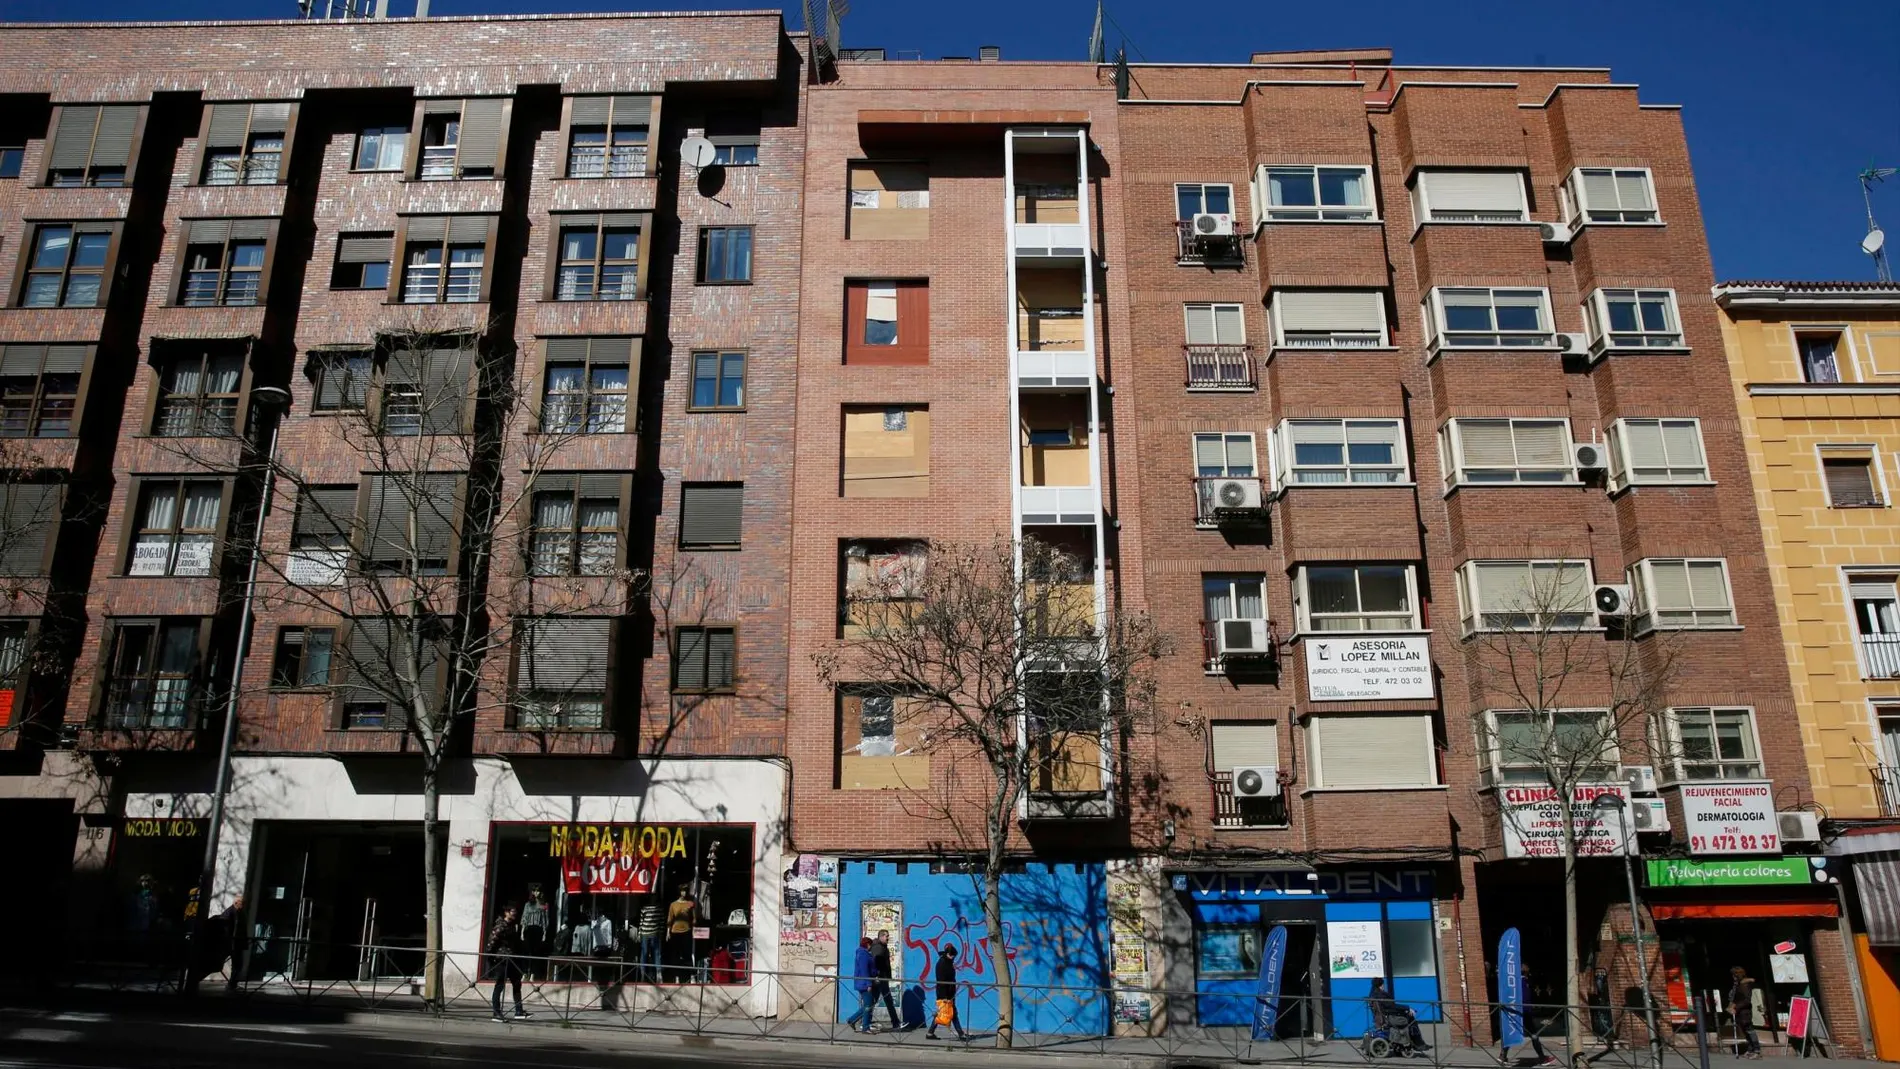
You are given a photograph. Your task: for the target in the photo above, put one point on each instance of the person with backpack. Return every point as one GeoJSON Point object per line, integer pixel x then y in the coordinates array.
{"type": "Point", "coordinates": [503, 947]}
{"type": "Point", "coordinates": [946, 994]}
{"type": "Point", "coordinates": [863, 971]}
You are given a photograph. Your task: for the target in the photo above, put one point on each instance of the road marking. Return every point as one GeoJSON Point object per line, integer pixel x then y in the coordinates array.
{"type": "Point", "coordinates": [74, 1015]}
{"type": "Point", "coordinates": [44, 1035]}
{"type": "Point", "coordinates": [286, 1029]}
{"type": "Point", "coordinates": [280, 1042]}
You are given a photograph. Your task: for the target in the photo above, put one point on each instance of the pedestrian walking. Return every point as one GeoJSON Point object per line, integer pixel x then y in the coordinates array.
{"type": "Point", "coordinates": [1741, 1010]}
{"type": "Point", "coordinates": [862, 973]}
{"type": "Point", "coordinates": [881, 979]}
{"type": "Point", "coordinates": [1596, 988]}
{"type": "Point", "coordinates": [503, 947]}
{"type": "Point", "coordinates": [946, 994]}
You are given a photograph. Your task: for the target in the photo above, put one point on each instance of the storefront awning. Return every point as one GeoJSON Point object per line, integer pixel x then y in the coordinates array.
{"type": "Point", "coordinates": [1705, 911]}
{"type": "Point", "coordinates": [1878, 881]}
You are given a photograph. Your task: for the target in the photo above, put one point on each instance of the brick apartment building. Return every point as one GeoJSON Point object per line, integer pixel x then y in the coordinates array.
{"type": "Point", "coordinates": [1282, 349]}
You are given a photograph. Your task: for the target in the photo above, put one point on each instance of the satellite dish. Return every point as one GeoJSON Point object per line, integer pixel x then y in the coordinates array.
{"type": "Point", "coordinates": [1875, 240]}
{"type": "Point", "coordinates": [696, 152]}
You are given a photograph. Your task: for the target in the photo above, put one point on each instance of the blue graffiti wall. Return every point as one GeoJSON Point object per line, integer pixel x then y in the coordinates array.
{"type": "Point", "coordinates": [1055, 927]}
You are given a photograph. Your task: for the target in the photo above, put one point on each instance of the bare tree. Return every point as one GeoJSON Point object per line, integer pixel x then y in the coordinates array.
{"type": "Point", "coordinates": [997, 651]}
{"type": "Point", "coordinates": [1563, 704]}
{"type": "Point", "coordinates": [452, 552]}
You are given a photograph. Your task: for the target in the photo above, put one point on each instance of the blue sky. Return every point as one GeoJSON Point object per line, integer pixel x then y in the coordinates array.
{"type": "Point", "coordinates": [1783, 105]}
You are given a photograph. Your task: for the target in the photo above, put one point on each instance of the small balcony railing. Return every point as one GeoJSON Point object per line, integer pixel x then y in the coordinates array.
{"type": "Point", "coordinates": [1264, 661]}
{"type": "Point", "coordinates": [438, 163]}
{"type": "Point", "coordinates": [1887, 786]}
{"type": "Point", "coordinates": [1233, 812]}
{"type": "Point", "coordinates": [1193, 248]}
{"type": "Point", "coordinates": [1229, 500]}
{"type": "Point", "coordinates": [1881, 655]}
{"type": "Point", "coordinates": [599, 161]}
{"type": "Point", "coordinates": [1219, 367]}
{"type": "Point", "coordinates": [196, 417]}
{"type": "Point", "coordinates": [153, 704]}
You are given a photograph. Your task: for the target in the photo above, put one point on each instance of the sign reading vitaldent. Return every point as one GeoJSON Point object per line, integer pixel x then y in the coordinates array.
{"type": "Point", "coordinates": [1682, 873]}
{"type": "Point", "coordinates": [1731, 817]}
{"type": "Point", "coordinates": [1368, 669]}
{"type": "Point", "coordinates": [1534, 821]}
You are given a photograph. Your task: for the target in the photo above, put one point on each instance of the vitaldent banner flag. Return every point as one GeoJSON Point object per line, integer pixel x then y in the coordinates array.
{"type": "Point", "coordinates": [1266, 1010]}
{"type": "Point", "coordinates": [1510, 989]}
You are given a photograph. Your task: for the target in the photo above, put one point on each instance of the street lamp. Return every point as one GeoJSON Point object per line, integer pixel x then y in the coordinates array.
{"type": "Point", "coordinates": [1622, 807]}
{"type": "Point", "coordinates": [270, 402]}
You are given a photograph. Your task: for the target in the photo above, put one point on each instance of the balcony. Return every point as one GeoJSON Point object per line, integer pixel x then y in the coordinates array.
{"type": "Point", "coordinates": [1224, 250]}
{"type": "Point", "coordinates": [1233, 812]}
{"type": "Point", "coordinates": [1220, 367]}
{"type": "Point", "coordinates": [160, 704]}
{"type": "Point", "coordinates": [1258, 656]}
{"type": "Point", "coordinates": [196, 417]}
{"type": "Point", "coordinates": [1880, 654]}
{"type": "Point", "coordinates": [1229, 501]}
{"type": "Point", "coordinates": [1047, 368]}
{"type": "Point", "coordinates": [1068, 779]}
{"type": "Point", "coordinates": [600, 161]}
{"type": "Point", "coordinates": [1059, 504]}
{"type": "Point", "coordinates": [1051, 240]}
{"type": "Point", "coordinates": [1887, 787]}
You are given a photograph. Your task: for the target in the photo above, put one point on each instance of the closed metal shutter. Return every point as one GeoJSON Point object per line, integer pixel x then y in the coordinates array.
{"type": "Point", "coordinates": [395, 500]}
{"type": "Point", "coordinates": [72, 141]}
{"type": "Point", "coordinates": [563, 654]}
{"type": "Point", "coordinates": [710, 514]}
{"type": "Point", "coordinates": [228, 125]}
{"type": "Point", "coordinates": [30, 512]}
{"type": "Point", "coordinates": [1372, 751]}
{"type": "Point", "coordinates": [480, 142]}
{"type": "Point", "coordinates": [1307, 310]}
{"type": "Point", "coordinates": [364, 249]}
{"type": "Point", "coordinates": [113, 146]}
{"type": "Point", "coordinates": [1244, 745]}
{"type": "Point", "coordinates": [1473, 191]}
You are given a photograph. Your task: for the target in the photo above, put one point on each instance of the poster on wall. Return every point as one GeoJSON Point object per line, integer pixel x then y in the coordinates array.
{"type": "Point", "coordinates": [1788, 968]}
{"type": "Point", "coordinates": [882, 916]}
{"type": "Point", "coordinates": [1355, 949]}
{"type": "Point", "coordinates": [1369, 669]}
{"type": "Point", "coordinates": [610, 873]}
{"type": "Point", "coordinates": [1533, 821]}
{"type": "Point", "coordinates": [1731, 817]}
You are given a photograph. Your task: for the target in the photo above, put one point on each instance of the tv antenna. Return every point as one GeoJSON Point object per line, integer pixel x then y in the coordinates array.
{"type": "Point", "coordinates": [1875, 243]}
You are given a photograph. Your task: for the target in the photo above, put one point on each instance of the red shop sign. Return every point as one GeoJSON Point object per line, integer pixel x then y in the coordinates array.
{"type": "Point", "coordinates": [613, 873]}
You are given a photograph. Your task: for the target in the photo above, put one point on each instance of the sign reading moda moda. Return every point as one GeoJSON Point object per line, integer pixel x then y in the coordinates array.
{"type": "Point", "coordinates": [1368, 669]}
{"type": "Point", "coordinates": [1534, 820]}
{"type": "Point", "coordinates": [1731, 817]}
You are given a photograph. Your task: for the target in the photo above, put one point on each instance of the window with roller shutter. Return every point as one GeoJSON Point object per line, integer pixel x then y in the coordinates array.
{"type": "Point", "coordinates": [1656, 451]}
{"type": "Point", "coordinates": [30, 513]}
{"type": "Point", "coordinates": [460, 138]}
{"type": "Point", "coordinates": [563, 673]}
{"type": "Point", "coordinates": [577, 523]}
{"type": "Point", "coordinates": [426, 391]}
{"type": "Point", "coordinates": [1470, 197]}
{"type": "Point", "coordinates": [40, 389]}
{"type": "Point", "coordinates": [587, 385]}
{"type": "Point", "coordinates": [93, 145]}
{"type": "Point", "coordinates": [1680, 594]}
{"type": "Point", "coordinates": [607, 136]}
{"type": "Point", "coordinates": [1237, 744]}
{"type": "Point", "coordinates": [362, 262]}
{"type": "Point", "coordinates": [320, 535]}
{"type": "Point", "coordinates": [1852, 476]}
{"type": "Point", "coordinates": [410, 521]}
{"type": "Point", "coordinates": [1598, 195]}
{"type": "Point", "coordinates": [224, 261]}
{"type": "Point", "coordinates": [244, 144]}
{"type": "Point", "coordinates": [710, 515]}
{"type": "Point", "coordinates": [1371, 751]}
{"type": "Point", "coordinates": [1492, 451]}
{"type": "Point", "coordinates": [340, 379]}
{"type": "Point", "coordinates": [1329, 319]}
{"type": "Point", "coordinates": [704, 659]}
{"type": "Point", "coordinates": [1340, 452]}
{"type": "Point", "coordinates": [1525, 595]}
{"type": "Point", "coordinates": [380, 674]}
{"type": "Point", "coordinates": [68, 265]}
{"type": "Point", "coordinates": [444, 258]}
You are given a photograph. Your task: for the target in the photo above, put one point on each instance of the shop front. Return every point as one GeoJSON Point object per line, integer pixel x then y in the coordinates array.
{"type": "Point", "coordinates": [1346, 927]}
{"type": "Point", "coordinates": [1773, 918]}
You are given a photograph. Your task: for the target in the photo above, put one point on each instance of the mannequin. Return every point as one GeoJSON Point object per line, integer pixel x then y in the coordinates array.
{"type": "Point", "coordinates": [534, 930]}
{"type": "Point", "coordinates": [679, 934]}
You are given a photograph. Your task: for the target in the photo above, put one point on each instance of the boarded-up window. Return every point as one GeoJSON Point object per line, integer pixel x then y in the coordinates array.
{"type": "Point", "coordinates": [1371, 751]}
{"type": "Point", "coordinates": [1055, 437]}
{"type": "Point", "coordinates": [703, 658]}
{"type": "Point", "coordinates": [883, 584]}
{"type": "Point", "coordinates": [1046, 188]}
{"type": "Point", "coordinates": [561, 672]}
{"type": "Point", "coordinates": [711, 515]}
{"type": "Point", "coordinates": [886, 451]}
{"type": "Point", "coordinates": [1048, 310]}
{"type": "Point", "coordinates": [887, 321]}
{"type": "Point", "coordinates": [889, 201]}
{"type": "Point", "coordinates": [29, 523]}
{"type": "Point", "coordinates": [880, 740]}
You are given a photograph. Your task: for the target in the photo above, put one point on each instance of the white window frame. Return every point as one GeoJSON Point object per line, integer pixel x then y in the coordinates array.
{"type": "Point", "coordinates": [1622, 465]}
{"type": "Point", "coordinates": [1643, 615]}
{"type": "Point", "coordinates": [1434, 310]}
{"type": "Point", "coordinates": [1233, 580]}
{"type": "Point", "coordinates": [1187, 330]}
{"type": "Point", "coordinates": [1303, 602]}
{"type": "Point", "coordinates": [1472, 610]}
{"type": "Point", "coordinates": [1596, 316]}
{"type": "Point", "coordinates": [1333, 339]}
{"type": "Point", "coordinates": [1575, 212]}
{"type": "Point", "coordinates": [1286, 471]}
{"type": "Point", "coordinates": [1265, 212]}
{"type": "Point", "coordinates": [1491, 767]}
{"type": "Point", "coordinates": [1253, 445]}
{"type": "Point", "coordinates": [1846, 353]}
{"type": "Point", "coordinates": [1203, 187]}
{"type": "Point", "coordinates": [1422, 200]}
{"type": "Point", "coordinates": [1451, 440]}
{"type": "Point", "coordinates": [1870, 576]}
{"type": "Point", "coordinates": [1877, 470]}
{"type": "Point", "coordinates": [1678, 763]}
{"type": "Point", "coordinates": [1316, 769]}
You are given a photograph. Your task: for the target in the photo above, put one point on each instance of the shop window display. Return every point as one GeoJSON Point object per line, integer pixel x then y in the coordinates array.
{"type": "Point", "coordinates": [612, 904]}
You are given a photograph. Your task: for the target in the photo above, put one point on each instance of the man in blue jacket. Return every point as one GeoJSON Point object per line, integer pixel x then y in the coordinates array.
{"type": "Point", "coordinates": [863, 972]}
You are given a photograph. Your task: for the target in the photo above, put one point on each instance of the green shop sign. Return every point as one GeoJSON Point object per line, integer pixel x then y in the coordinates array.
{"type": "Point", "coordinates": [1674, 873]}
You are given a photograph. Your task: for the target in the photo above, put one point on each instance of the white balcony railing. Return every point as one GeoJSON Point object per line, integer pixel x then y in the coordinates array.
{"type": "Point", "coordinates": [1881, 654]}
{"type": "Point", "coordinates": [1055, 368]}
{"type": "Point", "coordinates": [1060, 504]}
{"type": "Point", "coordinates": [1051, 239]}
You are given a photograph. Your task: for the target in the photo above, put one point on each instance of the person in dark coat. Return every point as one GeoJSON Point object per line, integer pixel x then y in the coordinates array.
{"type": "Point", "coordinates": [504, 948]}
{"type": "Point", "coordinates": [947, 991]}
{"type": "Point", "coordinates": [1741, 1008]}
{"type": "Point", "coordinates": [881, 979]}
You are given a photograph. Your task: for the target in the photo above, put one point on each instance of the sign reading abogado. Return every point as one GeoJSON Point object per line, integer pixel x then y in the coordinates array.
{"type": "Point", "coordinates": [1534, 820]}
{"type": "Point", "coordinates": [1368, 669]}
{"type": "Point", "coordinates": [1731, 817]}
{"type": "Point", "coordinates": [614, 859]}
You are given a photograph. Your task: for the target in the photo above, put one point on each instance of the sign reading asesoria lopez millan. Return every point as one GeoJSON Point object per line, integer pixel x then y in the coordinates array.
{"type": "Point", "coordinates": [1368, 669]}
{"type": "Point", "coordinates": [1731, 817]}
{"type": "Point", "coordinates": [1534, 820]}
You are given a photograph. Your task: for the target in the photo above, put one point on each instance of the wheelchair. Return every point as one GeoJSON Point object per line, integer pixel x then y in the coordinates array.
{"type": "Point", "coordinates": [1391, 1037]}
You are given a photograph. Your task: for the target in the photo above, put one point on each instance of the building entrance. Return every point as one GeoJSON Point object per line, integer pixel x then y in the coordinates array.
{"type": "Point", "coordinates": [337, 901]}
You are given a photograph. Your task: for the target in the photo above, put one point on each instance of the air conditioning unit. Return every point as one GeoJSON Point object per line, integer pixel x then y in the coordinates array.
{"type": "Point", "coordinates": [1213, 225]}
{"type": "Point", "coordinates": [1241, 638]}
{"type": "Point", "coordinates": [1590, 456]}
{"type": "Point", "coordinates": [1799, 826]}
{"type": "Point", "coordinates": [1237, 495]}
{"type": "Point", "coordinates": [1649, 814]}
{"type": "Point", "coordinates": [1256, 781]}
{"type": "Point", "coordinates": [1571, 344]}
{"type": "Point", "coordinates": [1641, 778]}
{"type": "Point", "coordinates": [1611, 599]}
{"type": "Point", "coordinates": [1555, 233]}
